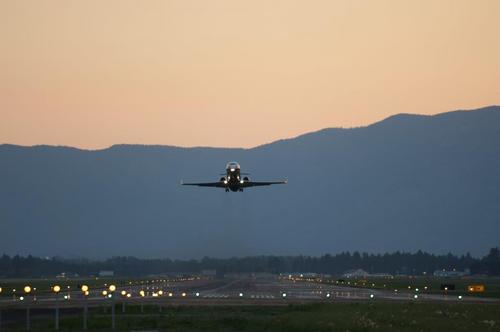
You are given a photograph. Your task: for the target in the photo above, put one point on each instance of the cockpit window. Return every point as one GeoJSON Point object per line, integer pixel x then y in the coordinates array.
{"type": "Point", "coordinates": [233, 165]}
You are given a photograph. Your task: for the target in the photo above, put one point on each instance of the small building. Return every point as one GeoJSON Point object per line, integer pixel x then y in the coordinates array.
{"type": "Point", "coordinates": [450, 274]}
{"type": "Point", "coordinates": [209, 273]}
{"type": "Point", "coordinates": [358, 273]}
{"type": "Point", "coordinates": [381, 275]}
{"type": "Point", "coordinates": [106, 273]}
{"type": "Point", "coordinates": [263, 276]}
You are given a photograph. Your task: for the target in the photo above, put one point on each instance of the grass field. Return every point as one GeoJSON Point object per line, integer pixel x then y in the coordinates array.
{"type": "Point", "coordinates": [376, 316]}
{"type": "Point", "coordinates": [425, 285]}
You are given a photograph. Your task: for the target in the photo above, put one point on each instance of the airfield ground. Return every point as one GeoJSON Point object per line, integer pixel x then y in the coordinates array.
{"type": "Point", "coordinates": [247, 305]}
{"type": "Point", "coordinates": [343, 316]}
{"type": "Point", "coordinates": [428, 285]}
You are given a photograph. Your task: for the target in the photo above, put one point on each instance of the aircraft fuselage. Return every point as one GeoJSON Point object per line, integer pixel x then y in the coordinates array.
{"type": "Point", "coordinates": [233, 180]}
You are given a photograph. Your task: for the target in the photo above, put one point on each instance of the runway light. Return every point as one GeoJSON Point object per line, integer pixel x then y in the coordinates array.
{"type": "Point", "coordinates": [27, 289]}
{"type": "Point", "coordinates": [284, 295]}
{"type": "Point", "coordinates": [155, 294]}
{"type": "Point", "coordinates": [56, 289]}
{"type": "Point", "coordinates": [142, 293]}
{"type": "Point", "coordinates": [160, 292]}
{"type": "Point", "coordinates": [372, 296]}
{"type": "Point", "coordinates": [110, 295]}
{"type": "Point", "coordinates": [416, 289]}
{"type": "Point", "coordinates": [65, 297]}
{"type": "Point", "coordinates": [197, 294]}
{"type": "Point", "coordinates": [85, 288]}
{"type": "Point", "coordinates": [86, 293]}
{"type": "Point", "coordinates": [328, 295]}
{"type": "Point", "coordinates": [415, 296]}
{"type": "Point", "coordinates": [183, 294]}
{"type": "Point", "coordinates": [104, 293]}
{"type": "Point", "coordinates": [112, 288]}
{"type": "Point", "coordinates": [170, 294]}
{"type": "Point", "coordinates": [21, 298]}
{"type": "Point", "coordinates": [123, 293]}
{"type": "Point", "coordinates": [129, 295]}
{"type": "Point", "coordinates": [241, 294]}
{"type": "Point", "coordinates": [0, 289]}
{"type": "Point", "coordinates": [460, 297]}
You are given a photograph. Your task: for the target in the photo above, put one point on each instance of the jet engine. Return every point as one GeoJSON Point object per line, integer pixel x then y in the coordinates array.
{"type": "Point", "coordinates": [246, 179]}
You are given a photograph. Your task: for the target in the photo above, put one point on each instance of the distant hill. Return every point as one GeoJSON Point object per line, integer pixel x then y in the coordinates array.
{"type": "Point", "coordinates": [408, 182]}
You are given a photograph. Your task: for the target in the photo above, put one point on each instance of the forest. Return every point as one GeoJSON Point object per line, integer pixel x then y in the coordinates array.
{"type": "Point", "coordinates": [415, 263]}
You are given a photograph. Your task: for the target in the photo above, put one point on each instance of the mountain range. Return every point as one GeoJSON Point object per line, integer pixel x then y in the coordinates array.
{"type": "Point", "coordinates": [408, 182]}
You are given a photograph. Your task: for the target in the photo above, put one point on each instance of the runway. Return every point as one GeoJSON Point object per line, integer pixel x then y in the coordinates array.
{"type": "Point", "coordinates": [227, 292]}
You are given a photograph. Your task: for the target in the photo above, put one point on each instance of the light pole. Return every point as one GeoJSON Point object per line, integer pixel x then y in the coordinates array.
{"type": "Point", "coordinates": [85, 291]}
{"type": "Point", "coordinates": [160, 293]}
{"type": "Point", "coordinates": [105, 295]}
{"type": "Point", "coordinates": [141, 293]}
{"type": "Point", "coordinates": [27, 291]}
{"type": "Point", "coordinates": [112, 288]}
{"type": "Point", "coordinates": [124, 294]}
{"type": "Point", "coordinates": [56, 289]}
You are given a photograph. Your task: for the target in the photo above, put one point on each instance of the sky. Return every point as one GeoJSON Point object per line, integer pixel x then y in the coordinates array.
{"type": "Point", "coordinates": [232, 73]}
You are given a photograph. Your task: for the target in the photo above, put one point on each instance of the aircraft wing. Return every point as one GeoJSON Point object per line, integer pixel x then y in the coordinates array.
{"type": "Point", "coordinates": [205, 184]}
{"type": "Point", "coordinates": [248, 184]}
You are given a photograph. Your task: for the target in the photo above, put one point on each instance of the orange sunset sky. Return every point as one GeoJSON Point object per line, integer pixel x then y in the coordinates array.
{"type": "Point", "coordinates": [93, 73]}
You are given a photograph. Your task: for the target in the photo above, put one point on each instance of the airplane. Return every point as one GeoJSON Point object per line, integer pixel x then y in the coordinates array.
{"type": "Point", "coordinates": [233, 181]}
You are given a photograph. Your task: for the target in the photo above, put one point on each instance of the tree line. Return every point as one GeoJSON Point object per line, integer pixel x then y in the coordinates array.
{"type": "Point", "coordinates": [394, 263]}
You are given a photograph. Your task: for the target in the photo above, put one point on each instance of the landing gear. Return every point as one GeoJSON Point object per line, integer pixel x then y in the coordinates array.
{"type": "Point", "coordinates": [240, 190]}
{"type": "Point", "coordinates": [227, 190]}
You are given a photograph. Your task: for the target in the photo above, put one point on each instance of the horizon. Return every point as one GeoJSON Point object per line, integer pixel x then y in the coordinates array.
{"type": "Point", "coordinates": [333, 254]}
{"type": "Point", "coordinates": [256, 146]}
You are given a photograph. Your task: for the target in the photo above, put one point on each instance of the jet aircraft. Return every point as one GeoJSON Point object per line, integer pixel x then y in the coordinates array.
{"type": "Point", "coordinates": [233, 181]}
